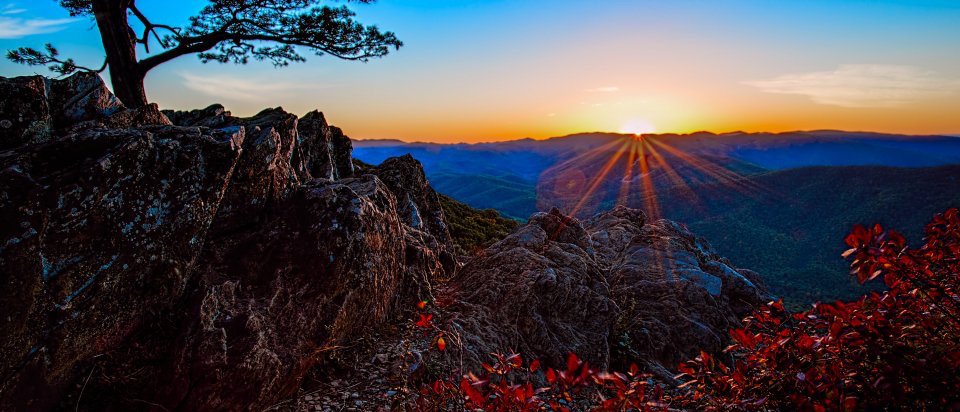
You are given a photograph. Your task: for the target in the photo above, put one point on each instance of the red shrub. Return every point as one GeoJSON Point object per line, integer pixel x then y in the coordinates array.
{"type": "Point", "coordinates": [899, 348]}
{"type": "Point", "coordinates": [508, 385]}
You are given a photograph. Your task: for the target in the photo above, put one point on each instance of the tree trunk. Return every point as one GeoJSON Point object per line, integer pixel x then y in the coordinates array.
{"type": "Point", "coordinates": [120, 45]}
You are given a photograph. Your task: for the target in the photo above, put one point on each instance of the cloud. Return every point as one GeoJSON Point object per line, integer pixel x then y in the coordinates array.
{"type": "Point", "coordinates": [16, 27]}
{"type": "Point", "coordinates": [244, 89]}
{"type": "Point", "coordinates": [607, 89]}
{"type": "Point", "coordinates": [861, 85]}
{"type": "Point", "coordinates": [11, 8]}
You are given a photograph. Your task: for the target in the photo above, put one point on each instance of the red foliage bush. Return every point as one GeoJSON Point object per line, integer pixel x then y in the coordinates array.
{"type": "Point", "coordinates": [899, 349]}
{"type": "Point", "coordinates": [508, 385]}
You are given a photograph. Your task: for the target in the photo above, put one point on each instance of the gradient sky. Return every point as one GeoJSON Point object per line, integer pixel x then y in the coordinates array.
{"type": "Point", "coordinates": [497, 70]}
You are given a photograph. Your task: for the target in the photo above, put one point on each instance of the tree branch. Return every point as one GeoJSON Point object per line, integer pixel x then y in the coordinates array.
{"type": "Point", "coordinates": [149, 28]}
{"type": "Point", "coordinates": [50, 58]}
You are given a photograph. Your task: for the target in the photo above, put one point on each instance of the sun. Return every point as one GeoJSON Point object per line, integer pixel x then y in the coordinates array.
{"type": "Point", "coordinates": [638, 126]}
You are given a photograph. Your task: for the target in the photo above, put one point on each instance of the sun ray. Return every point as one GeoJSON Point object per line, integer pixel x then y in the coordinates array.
{"type": "Point", "coordinates": [651, 203]}
{"type": "Point", "coordinates": [588, 155]}
{"type": "Point", "coordinates": [623, 197]}
{"type": "Point", "coordinates": [721, 175]}
{"type": "Point", "coordinates": [674, 176]}
{"type": "Point", "coordinates": [598, 179]}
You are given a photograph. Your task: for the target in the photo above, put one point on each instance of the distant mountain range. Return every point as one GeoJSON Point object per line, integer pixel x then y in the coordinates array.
{"type": "Point", "coordinates": [778, 203]}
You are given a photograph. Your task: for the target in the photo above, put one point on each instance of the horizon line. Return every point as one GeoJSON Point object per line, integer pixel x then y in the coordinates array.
{"type": "Point", "coordinates": [707, 132]}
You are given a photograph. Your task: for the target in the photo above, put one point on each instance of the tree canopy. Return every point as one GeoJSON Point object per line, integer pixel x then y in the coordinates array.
{"type": "Point", "coordinates": [224, 31]}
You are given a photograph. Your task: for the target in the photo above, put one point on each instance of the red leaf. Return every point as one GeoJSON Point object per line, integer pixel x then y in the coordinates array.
{"type": "Point", "coordinates": [551, 376]}
{"type": "Point", "coordinates": [472, 393]}
{"type": "Point", "coordinates": [426, 321]}
{"type": "Point", "coordinates": [441, 344]}
{"type": "Point", "coordinates": [534, 365]}
{"type": "Point", "coordinates": [573, 362]}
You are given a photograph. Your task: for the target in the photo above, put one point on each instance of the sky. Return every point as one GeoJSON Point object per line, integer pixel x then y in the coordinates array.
{"type": "Point", "coordinates": [474, 71]}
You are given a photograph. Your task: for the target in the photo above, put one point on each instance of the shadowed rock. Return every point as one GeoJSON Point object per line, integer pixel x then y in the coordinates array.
{"type": "Point", "coordinates": [33, 109]}
{"type": "Point", "coordinates": [206, 265]}
{"type": "Point", "coordinates": [613, 289]}
{"type": "Point", "coordinates": [97, 230]}
{"type": "Point", "coordinates": [540, 291]}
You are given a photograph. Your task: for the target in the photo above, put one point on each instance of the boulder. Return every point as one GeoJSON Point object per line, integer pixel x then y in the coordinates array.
{"type": "Point", "coordinates": [316, 275]}
{"type": "Point", "coordinates": [540, 291]}
{"type": "Point", "coordinates": [613, 289]}
{"type": "Point", "coordinates": [34, 109]}
{"type": "Point", "coordinates": [204, 265]}
{"type": "Point", "coordinates": [97, 229]}
{"type": "Point", "coordinates": [676, 296]}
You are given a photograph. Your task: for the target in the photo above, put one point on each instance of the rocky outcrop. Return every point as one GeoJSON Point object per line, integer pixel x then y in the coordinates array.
{"type": "Point", "coordinates": [612, 289]}
{"type": "Point", "coordinates": [202, 261]}
{"type": "Point", "coordinates": [203, 265]}
{"type": "Point", "coordinates": [35, 109]}
{"type": "Point", "coordinates": [98, 229]}
{"type": "Point", "coordinates": [318, 273]}
{"type": "Point", "coordinates": [418, 204]}
{"type": "Point", "coordinates": [539, 291]}
{"type": "Point", "coordinates": [676, 296]}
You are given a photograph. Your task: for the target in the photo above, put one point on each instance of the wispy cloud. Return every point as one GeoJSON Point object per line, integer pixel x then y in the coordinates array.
{"type": "Point", "coordinates": [11, 8]}
{"type": "Point", "coordinates": [605, 89]}
{"type": "Point", "coordinates": [13, 26]}
{"type": "Point", "coordinates": [862, 85]}
{"type": "Point", "coordinates": [244, 89]}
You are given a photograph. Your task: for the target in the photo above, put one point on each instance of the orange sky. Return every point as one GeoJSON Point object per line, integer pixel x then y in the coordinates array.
{"type": "Point", "coordinates": [495, 70]}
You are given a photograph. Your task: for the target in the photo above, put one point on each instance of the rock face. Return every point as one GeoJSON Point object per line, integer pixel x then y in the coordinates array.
{"type": "Point", "coordinates": [98, 229]}
{"type": "Point", "coordinates": [539, 291]}
{"type": "Point", "coordinates": [676, 296]}
{"type": "Point", "coordinates": [613, 289]}
{"type": "Point", "coordinates": [203, 265]}
{"type": "Point", "coordinates": [35, 109]}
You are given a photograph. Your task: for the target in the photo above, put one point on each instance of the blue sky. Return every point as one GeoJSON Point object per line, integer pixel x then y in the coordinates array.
{"type": "Point", "coordinates": [490, 70]}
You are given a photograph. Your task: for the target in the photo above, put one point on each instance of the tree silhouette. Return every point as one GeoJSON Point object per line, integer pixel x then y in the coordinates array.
{"type": "Point", "coordinates": [223, 31]}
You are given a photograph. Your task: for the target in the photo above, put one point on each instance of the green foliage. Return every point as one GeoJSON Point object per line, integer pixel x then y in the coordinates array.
{"type": "Point", "coordinates": [237, 28]}
{"type": "Point", "coordinates": [792, 235]}
{"type": "Point", "coordinates": [49, 57]}
{"type": "Point", "coordinates": [899, 349]}
{"type": "Point", "coordinates": [513, 197]}
{"type": "Point", "coordinates": [472, 229]}
{"type": "Point", "coordinates": [230, 31]}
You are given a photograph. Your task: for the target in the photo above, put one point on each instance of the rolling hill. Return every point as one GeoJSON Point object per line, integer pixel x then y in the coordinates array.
{"type": "Point", "coordinates": [779, 203]}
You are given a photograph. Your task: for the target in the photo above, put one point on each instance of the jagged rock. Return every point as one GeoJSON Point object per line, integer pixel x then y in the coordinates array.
{"type": "Point", "coordinates": [81, 97]}
{"type": "Point", "coordinates": [123, 119]}
{"type": "Point", "coordinates": [325, 147]}
{"type": "Point", "coordinates": [319, 273]}
{"type": "Point", "coordinates": [613, 289]}
{"type": "Point", "coordinates": [207, 265]}
{"type": "Point", "coordinates": [540, 291]}
{"type": "Point", "coordinates": [675, 294]}
{"type": "Point", "coordinates": [24, 112]}
{"type": "Point", "coordinates": [33, 109]}
{"type": "Point", "coordinates": [97, 229]}
{"type": "Point", "coordinates": [419, 204]}
{"type": "Point", "coordinates": [214, 116]}
{"type": "Point", "coordinates": [264, 173]}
